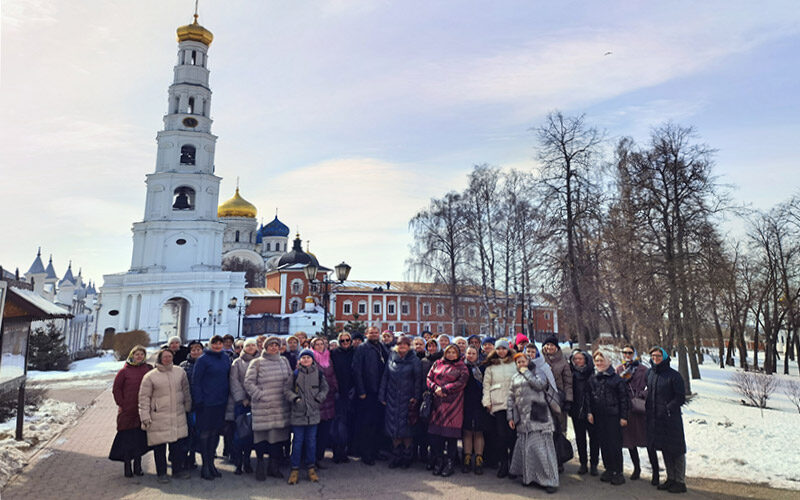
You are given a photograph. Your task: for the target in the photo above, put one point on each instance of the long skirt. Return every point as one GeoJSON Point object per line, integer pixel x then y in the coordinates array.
{"type": "Point", "coordinates": [128, 444]}
{"type": "Point", "coordinates": [634, 434]}
{"type": "Point", "coordinates": [535, 458]}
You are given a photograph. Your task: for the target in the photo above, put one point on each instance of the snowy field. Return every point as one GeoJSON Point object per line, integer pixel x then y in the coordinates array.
{"type": "Point", "coordinates": [83, 369]}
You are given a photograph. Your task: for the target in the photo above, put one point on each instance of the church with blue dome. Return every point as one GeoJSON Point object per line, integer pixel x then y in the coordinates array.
{"type": "Point", "coordinates": [246, 246]}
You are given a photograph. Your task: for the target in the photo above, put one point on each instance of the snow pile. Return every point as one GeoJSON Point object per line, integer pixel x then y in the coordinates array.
{"type": "Point", "coordinates": [85, 368]}
{"type": "Point", "coordinates": [50, 419]}
{"type": "Point", "coordinates": [727, 440]}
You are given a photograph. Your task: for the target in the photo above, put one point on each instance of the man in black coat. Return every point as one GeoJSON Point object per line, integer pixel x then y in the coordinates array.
{"type": "Point", "coordinates": [369, 361]}
{"type": "Point", "coordinates": [666, 393]}
{"type": "Point", "coordinates": [344, 428]}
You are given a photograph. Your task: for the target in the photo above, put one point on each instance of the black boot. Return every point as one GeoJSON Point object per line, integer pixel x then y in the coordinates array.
{"type": "Point", "coordinates": [237, 460]}
{"type": "Point", "coordinates": [438, 466]}
{"type": "Point", "coordinates": [128, 469]}
{"type": "Point", "coordinates": [397, 457]}
{"type": "Point", "coordinates": [502, 471]}
{"type": "Point", "coordinates": [261, 469]}
{"type": "Point", "coordinates": [637, 470]}
{"type": "Point", "coordinates": [137, 466]}
{"type": "Point", "coordinates": [205, 470]}
{"type": "Point", "coordinates": [248, 467]}
{"type": "Point", "coordinates": [272, 468]}
{"type": "Point", "coordinates": [407, 458]}
{"type": "Point", "coordinates": [448, 468]}
{"type": "Point", "coordinates": [583, 469]}
{"type": "Point", "coordinates": [593, 470]}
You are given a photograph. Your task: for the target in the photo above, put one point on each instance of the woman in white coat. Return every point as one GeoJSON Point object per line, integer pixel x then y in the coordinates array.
{"type": "Point", "coordinates": [164, 400]}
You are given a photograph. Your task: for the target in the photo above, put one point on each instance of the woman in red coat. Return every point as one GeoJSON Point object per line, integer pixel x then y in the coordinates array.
{"type": "Point", "coordinates": [446, 380]}
{"type": "Point", "coordinates": [130, 442]}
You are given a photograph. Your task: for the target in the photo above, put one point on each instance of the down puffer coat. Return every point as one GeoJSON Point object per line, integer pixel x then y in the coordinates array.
{"type": "Point", "coordinates": [305, 391]}
{"type": "Point", "coordinates": [580, 385]}
{"type": "Point", "coordinates": [608, 394]}
{"type": "Point", "coordinates": [237, 392]}
{"type": "Point", "coordinates": [528, 388]}
{"type": "Point", "coordinates": [666, 393]}
{"type": "Point", "coordinates": [447, 416]}
{"type": "Point", "coordinates": [497, 382]}
{"type": "Point", "coordinates": [164, 399]}
{"type": "Point", "coordinates": [126, 395]}
{"type": "Point", "coordinates": [265, 381]}
{"type": "Point", "coordinates": [401, 382]}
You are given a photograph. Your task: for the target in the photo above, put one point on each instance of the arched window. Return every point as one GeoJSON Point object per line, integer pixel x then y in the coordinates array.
{"type": "Point", "coordinates": [188, 154]}
{"type": "Point", "coordinates": [191, 106]}
{"type": "Point", "coordinates": [194, 57]}
{"type": "Point", "coordinates": [268, 247]}
{"type": "Point", "coordinates": [294, 305]}
{"type": "Point", "coordinates": [183, 198]}
{"type": "Point", "coordinates": [237, 237]}
{"type": "Point", "coordinates": [297, 287]}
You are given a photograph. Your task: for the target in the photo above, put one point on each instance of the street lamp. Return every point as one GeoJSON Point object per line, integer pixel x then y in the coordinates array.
{"type": "Point", "coordinates": [214, 319]}
{"type": "Point", "coordinates": [200, 324]}
{"type": "Point", "coordinates": [232, 305]}
{"type": "Point", "coordinates": [342, 271]}
{"type": "Point", "coordinates": [97, 306]}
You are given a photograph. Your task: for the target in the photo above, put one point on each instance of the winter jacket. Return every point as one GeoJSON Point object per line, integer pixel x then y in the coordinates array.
{"type": "Point", "coordinates": [580, 386]}
{"type": "Point", "coordinates": [237, 392]}
{"type": "Point", "coordinates": [496, 384]}
{"type": "Point", "coordinates": [328, 409]}
{"type": "Point", "coordinates": [666, 393]}
{"type": "Point", "coordinates": [608, 394]}
{"type": "Point", "coordinates": [447, 416]}
{"type": "Point", "coordinates": [265, 382]}
{"type": "Point", "coordinates": [561, 372]}
{"type": "Point", "coordinates": [635, 433]}
{"type": "Point", "coordinates": [401, 382]}
{"type": "Point", "coordinates": [210, 384]}
{"type": "Point", "coordinates": [369, 361]}
{"type": "Point", "coordinates": [188, 367]}
{"type": "Point", "coordinates": [126, 395]}
{"type": "Point", "coordinates": [291, 356]}
{"type": "Point", "coordinates": [342, 361]}
{"type": "Point", "coordinates": [528, 388]}
{"type": "Point", "coordinates": [164, 399]}
{"type": "Point", "coordinates": [179, 356]}
{"type": "Point", "coordinates": [305, 391]}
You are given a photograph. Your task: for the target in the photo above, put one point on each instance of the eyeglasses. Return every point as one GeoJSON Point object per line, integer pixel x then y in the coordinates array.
{"type": "Point", "coordinates": [344, 340]}
{"type": "Point", "coordinates": [627, 352]}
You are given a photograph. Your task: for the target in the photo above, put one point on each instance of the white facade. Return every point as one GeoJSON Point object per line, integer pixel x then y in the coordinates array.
{"type": "Point", "coordinates": [175, 278]}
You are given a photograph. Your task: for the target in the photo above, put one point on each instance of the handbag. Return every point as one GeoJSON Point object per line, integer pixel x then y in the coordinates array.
{"type": "Point", "coordinates": [638, 405]}
{"type": "Point", "coordinates": [539, 411]}
{"type": "Point", "coordinates": [563, 447]}
{"type": "Point", "coordinates": [426, 407]}
{"type": "Point", "coordinates": [243, 430]}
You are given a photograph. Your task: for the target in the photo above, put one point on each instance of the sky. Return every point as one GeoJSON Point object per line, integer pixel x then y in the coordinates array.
{"type": "Point", "coordinates": [348, 116]}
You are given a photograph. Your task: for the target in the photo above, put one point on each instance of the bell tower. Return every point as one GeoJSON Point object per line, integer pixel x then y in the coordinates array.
{"type": "Point", "coordinates": [180, 230]}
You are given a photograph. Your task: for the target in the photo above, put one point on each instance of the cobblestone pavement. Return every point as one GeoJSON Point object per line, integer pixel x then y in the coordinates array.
{"type": "Point", "coordinates": [75, 465]}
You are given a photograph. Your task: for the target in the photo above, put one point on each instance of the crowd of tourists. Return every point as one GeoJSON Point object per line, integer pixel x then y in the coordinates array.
{"type": "Point", "coordinates": [402, 399]}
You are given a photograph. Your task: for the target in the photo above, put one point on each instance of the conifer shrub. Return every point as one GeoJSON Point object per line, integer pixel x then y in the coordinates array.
{"type": "Point", "coordinates": [47, 350]}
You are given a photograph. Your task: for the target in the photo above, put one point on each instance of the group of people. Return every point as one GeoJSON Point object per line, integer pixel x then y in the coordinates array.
{"type": "Point", "coordinates": [403, 399]}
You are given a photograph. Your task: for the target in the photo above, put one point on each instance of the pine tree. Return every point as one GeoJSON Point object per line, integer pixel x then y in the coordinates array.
{"type": "Point", "coordinates": [47, 350]}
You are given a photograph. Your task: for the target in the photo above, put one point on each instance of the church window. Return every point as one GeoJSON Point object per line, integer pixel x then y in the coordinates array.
{"type": "Point", "coordinates": [237, 236]}
{"type": "Point", "coordinates": [376, 308]}
{"type": "Point", "coordinates": [188, 154]}
{"type": "Point", "coordinates": [439, 310]}
{"type": "Point", "coordinates": [297, 287]}
{"type": "Point", "coordinates": [180, 241]}
{"type": "Point", "coordinates": [440, 328]}
{"type": "Point", "coordinates": [176, 104]}
{"type": "Point", "coordinates": [268, 247]}
{"type": "Point", "coordinates": [404, 308]}
{"type": "Point", "coordinates": [191, 106]}
{"type": "Point", "coordinates": [183, 198]}
{"type": "Point", "coordinates": [390, 308]}
{"type": "Point", "coordinates": [362, 307]}
{"type": "Point", "coordinates": [472, 311]}
{"type": "Point", "coordinates": [294, 305]}
{"type": "Point", "coordinates": [194, 57]}
{"type": "Point", "coordinates": [347, 308]}
{"type": "Point", "coordinates": [426, 309]}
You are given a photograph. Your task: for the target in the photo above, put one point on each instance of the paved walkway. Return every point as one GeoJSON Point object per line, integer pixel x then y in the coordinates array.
{"type": "Point", "coordinates": [75, 465]}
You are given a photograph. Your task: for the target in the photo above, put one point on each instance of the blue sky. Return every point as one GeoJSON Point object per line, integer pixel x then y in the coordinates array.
{"type": "Point", "coordinates": [348, 116]}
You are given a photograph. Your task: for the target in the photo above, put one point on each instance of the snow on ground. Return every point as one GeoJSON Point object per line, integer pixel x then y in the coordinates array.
{"type": "Point", "coordinates": [727, 440]}
{"type": "Point", "coordinates": [50, 419]}
{"type": "Point", "coordinates": [85, 368]}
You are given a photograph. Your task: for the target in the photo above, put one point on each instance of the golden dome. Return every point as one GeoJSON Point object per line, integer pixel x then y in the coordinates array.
{"type": "Point", "coordinates": [237, 207]}
{"type": "Point", "coordinates": [195, 32]}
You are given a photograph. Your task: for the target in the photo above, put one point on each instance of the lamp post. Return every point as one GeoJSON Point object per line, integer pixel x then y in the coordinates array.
{"type": "Point", "coordinates": [239, 308]}
{"type": "Point", "coordinates": [200, 323]}
{"type": "Point", "coordinates": [97, 306]}
{"type": "Point", "coordinates": [214, 319]}
{"type": "Point", "coordinates": [342, 271]}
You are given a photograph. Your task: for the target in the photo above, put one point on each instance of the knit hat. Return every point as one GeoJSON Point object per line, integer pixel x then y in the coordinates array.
{"type": "Point", "coordinates": [306, 352]}
{"type": "Point", "coordinates": [520, 338]}
{"type": "Point", "coordinates": [174, 339]}
{"type": "Point", "coordinates": [552, 339]}
{"type": "Point", "coordinates": [250, 341]}
{"type": "Point", "coordinates": [502, 343]}
{"type": "Point", "coordinates": [519, 355]}
{"type": "Point", "coordinates": [193, 343]}
{"type": "Point", "coordinates": [488, 340]}
{"type": "Point", "coordinates": [358, 336]}
{"type": "Point", "coordinates": [292, 337]}
{"type": "Point", "coordinates": [272, 340]}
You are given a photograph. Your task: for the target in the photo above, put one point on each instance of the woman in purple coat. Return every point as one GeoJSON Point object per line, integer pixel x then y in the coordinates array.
{"type": "Point", "coordinates": [130, 442]}
{"type": "Point", "coordinates": [634, 435]}
{"type": "Point", "coordinates": [328, 408]}
{"type": "Point", "coordinates": [446, 380]}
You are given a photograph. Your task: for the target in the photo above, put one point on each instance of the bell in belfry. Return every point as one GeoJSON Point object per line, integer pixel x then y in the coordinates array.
{"type": "Point", "coordinates": [181, 202]}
